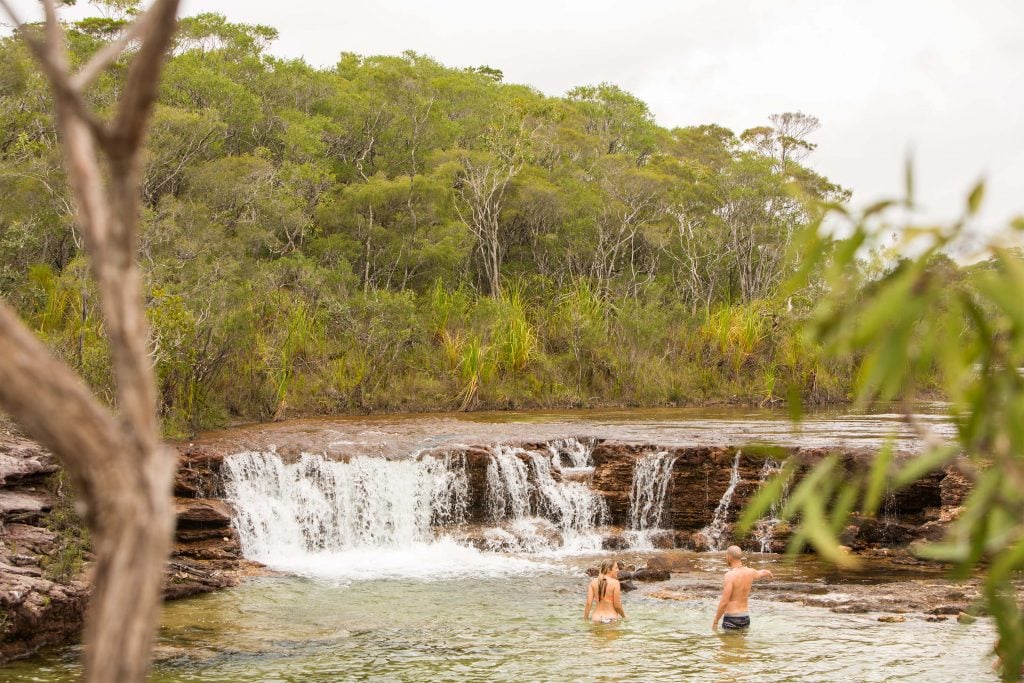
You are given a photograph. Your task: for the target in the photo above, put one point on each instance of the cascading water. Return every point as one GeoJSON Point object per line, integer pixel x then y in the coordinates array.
{"type": "Point", "coordinates": [647, 496]}
{"type": "Point", "coordinates": [764, 529]}
{"type": "Point", "coordinates": [365, 518]}
{"type": "Point", "coordinates": [508, 484]}
{"type": "Point", "coordinates": [651, 475]}
{"type": "Point", "coordinates": [317, 504]}
{"type": "Point", "coordinates": [536, 511]}
{"type": "Point", "coordinates": [715, 531]}
{"type": "Point", "coordinates": [572, 454]}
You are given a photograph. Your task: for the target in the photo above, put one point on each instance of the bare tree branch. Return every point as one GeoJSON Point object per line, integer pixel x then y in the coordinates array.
{"type": "Point", "coordinates": [143, 77]}
{"type": "Point", "coordinates": [122, 468]}
{"type": "Point", "coordinates": [109, 53]}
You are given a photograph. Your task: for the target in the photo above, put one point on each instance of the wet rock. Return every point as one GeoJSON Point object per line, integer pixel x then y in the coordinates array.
{"type": "Point", "coordinates": [965, 618]}
{"type": "Point", "coordinates": [674, 561]}
{"type": "Point", "coordinates": [946, 609]}
{"type": "Point", "coordinates": [185, 579]}
{"type": "Point", "coordinates": [892, 619]}
{"type": "Point", "coordinates": [614, 542]}
{"type": "Point", "coordinates": [851, 608]}
{"type": "Point", "coordinates": [627, 586]}
{"type": "Point", "coordinates": [198, 474]}
{"type": "Point", "coordinates": [37, 612]}
{"type": "Point", "coordinates": [669, 595]}
{"type": "Point", "coordinates": [663, 540]}
{"type": "Point", "coordinates": [648, 575]}
{"type": "Point", "coordinates": [953, 488]}
{"type": "Point", "coordinates": [936, 618]}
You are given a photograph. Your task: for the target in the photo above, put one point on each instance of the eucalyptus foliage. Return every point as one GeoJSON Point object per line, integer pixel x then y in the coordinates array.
{"type": "Point", "coordinates": [924, 321]}
{"type": "Point", "coordinates": [392, 233]}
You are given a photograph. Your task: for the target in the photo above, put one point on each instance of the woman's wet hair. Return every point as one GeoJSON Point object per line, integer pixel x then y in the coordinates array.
{"type": "Point", "coordinates": [602, 581]}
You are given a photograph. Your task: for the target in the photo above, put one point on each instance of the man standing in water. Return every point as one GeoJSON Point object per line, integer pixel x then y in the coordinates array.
{"type": "Point", "coordinates": [732, 608]}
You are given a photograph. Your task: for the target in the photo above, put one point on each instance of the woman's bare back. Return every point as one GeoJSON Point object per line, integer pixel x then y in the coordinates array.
{"type": "Point", "coordinates": [609, 606]}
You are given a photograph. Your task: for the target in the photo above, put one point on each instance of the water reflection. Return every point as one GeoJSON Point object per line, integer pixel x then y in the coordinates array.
{"type": "Point", "coordinates": [733, 650]}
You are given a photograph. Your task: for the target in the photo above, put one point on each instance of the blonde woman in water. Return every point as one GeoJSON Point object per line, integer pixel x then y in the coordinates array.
{"type": "Point", "coordinates": [606, 592]}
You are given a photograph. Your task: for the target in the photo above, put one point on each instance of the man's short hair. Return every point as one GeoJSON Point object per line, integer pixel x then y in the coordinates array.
{"type": "Point", "coordinates": [733, 552]}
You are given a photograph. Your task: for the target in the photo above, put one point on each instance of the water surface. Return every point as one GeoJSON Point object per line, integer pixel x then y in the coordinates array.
{"type": "Point", "coordinates": [526, 627]}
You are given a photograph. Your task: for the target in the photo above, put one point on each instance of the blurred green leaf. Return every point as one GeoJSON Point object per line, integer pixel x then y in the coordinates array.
{"type": "Point", "coordinates": [929, 461]}
{"type": "Point", "coordinates": [975, 197]}
{"type": "Point", "coordinates": [878, 478]}
{"type": "Point", "coordinates": [769, 492]}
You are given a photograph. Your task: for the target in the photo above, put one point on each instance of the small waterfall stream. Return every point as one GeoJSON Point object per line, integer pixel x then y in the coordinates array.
{"type": "Point", "coordinates": [715, 531]}
{"type": "Point", "coordinates": [652, 474]}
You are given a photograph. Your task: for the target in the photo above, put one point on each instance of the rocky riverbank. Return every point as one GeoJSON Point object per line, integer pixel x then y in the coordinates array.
{"type": "Point", "coordinates": [44, 555]}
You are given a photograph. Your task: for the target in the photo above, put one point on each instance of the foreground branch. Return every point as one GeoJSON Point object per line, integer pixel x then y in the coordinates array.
{"type": "Point", "coordinates": [121, 467]}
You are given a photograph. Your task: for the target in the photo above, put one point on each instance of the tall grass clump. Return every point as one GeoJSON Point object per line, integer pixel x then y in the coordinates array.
{"type": "Point", "coordinates": [516, 341]}
{"type": "Point", "coordinates": [474, 369]}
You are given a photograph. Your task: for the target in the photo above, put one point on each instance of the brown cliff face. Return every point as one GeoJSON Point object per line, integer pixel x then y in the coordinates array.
{"type": "Point", "coordinates": [39, 604]}
{"type": "Point", "coordinates": [701, 475]}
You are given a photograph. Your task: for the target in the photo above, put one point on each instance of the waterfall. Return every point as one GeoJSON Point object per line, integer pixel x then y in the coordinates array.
{"type": "Point", "coordinates": [535, 507]}
{"type": "Point", "coordinates": [317, 504]}
{"type": "Point", "coordinates": [890, 507]}
{"type": "Point", "coordinates": [651, 475]}
{"type": "Point", "coordinates": [764, 529]}
{"type": "Point", "coordinates": [715, 531]}
{"type": "Point", "coordinates": [508, 483]}
{"type": "Point", "coordinates": [571, 453]}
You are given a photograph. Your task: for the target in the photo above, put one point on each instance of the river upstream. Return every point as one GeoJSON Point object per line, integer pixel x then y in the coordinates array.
{"type": "Point", "coordinates": [384, 576]}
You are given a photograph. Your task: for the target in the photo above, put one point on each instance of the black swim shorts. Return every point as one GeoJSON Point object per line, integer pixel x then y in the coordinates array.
{"type": "Point", "coordinates": [735, 623]}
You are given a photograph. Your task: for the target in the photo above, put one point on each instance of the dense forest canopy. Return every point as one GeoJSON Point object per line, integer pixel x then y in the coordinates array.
{"type": "Point", "coordinates": [392, 233]}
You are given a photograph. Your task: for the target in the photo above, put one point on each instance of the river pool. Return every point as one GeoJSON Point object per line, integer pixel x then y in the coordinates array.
{"type": "Point", "coordinates": [431, 610]}
{"type": "Point", "coordinates": [527, 626]}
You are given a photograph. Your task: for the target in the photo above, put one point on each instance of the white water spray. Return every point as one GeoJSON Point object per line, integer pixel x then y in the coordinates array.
{"type": "Point", "coordinates": [317, 504]}
{"type": "Point", "coordinates": [571, 453]}
{"type": "Point", "coordinates": [538, 511]}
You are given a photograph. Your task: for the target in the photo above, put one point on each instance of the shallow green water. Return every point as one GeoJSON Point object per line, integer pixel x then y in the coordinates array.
{"type": "Point", "coordinates": [524, 628]}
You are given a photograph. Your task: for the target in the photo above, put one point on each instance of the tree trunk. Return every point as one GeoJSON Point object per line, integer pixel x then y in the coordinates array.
{"type": "Point", "coordinates": [122, 470]}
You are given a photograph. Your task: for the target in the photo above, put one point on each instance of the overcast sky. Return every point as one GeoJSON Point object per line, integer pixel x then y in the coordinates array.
{"type": "Point", "coordinates": [941, 79]}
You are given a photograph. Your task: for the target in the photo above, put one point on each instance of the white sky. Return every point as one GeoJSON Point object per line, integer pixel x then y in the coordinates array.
{"type": "Point", "coordinates": [941, 79]}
